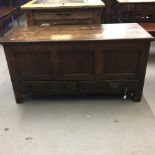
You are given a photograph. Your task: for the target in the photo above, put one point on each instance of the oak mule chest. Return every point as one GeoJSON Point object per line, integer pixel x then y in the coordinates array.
{"type": "Point", "coordinates": [74, 60]}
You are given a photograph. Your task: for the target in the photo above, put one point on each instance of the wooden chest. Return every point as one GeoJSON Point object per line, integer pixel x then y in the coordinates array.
{"type": "Point", "coordinates": [63, 12]}
{"type": "Point", "coordinates": [73, 60]}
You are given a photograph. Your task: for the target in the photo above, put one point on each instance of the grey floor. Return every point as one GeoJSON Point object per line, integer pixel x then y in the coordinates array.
{"type": "Point", "coordinates": [77, 126]}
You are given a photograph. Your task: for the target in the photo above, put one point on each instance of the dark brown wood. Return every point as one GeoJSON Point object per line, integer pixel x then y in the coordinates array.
{"type": "Point", "coordinates": [108, 11]}
{"type": "Point", "coordinates": [135, 11]}
{"type": "Point", "coordinates": [19, 97]}
{"type": "Point", "coordinates": [29, 18]}
{"type": "Point", "coordinates": [105, 59]}
{"type": "Point", "coordinates": [63, 12]}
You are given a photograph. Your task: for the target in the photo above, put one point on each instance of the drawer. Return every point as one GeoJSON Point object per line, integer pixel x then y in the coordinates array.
{"type": "Point", "coordinates": [107, 86]}
{"type": "Point", "coordinates": [145, 7]}
{"type": "Point", "coordinates": [128, 7]}
{"type": "Point", "coordinates": [47, 87]}
{"type": "Point", "coordinates": [48, 15]}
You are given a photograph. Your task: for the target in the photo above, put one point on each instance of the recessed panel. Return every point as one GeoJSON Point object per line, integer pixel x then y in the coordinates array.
{"type": "Point", "coordinates": [121, 61]}
{"type": "Point", "coordinates": [33, 63]}
{"type": "Point", "coordinates": [76, 62]}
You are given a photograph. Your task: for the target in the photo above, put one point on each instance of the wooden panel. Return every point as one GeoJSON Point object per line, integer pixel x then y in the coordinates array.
{"type": "Point", "coordinates": [107, 86]}
{"type": "Point", "coordinates": [32, 63]}
{"type": "Point", "coordinates": [49, 15]}
{"type": "Point", "coordinates": [145, 7]}
{"type": "Point", "coordinates": [99, 61]}
{"type": "Point", "coordinates": [128, 7]}
{"type": "Point", "coordinates": [121, 61]}
{"type": "Point", "coordinates": [47, 87]}
{"type": "Point", "coordinates": [67, 17]}
{"type": "Point", "coordinates": [77, 62]}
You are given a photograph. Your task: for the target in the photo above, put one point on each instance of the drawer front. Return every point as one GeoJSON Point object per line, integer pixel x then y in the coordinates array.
{"type": "Point", "coordinates": [128, 7]}
{"type": "Point", "coordinates": [48, 15]}
{"type": "Point", "coordinates": [47, 87]}
{"type": "Point", "coordinates": [145, 7]}
{"type": "Point", "coordinates": [107, 86]}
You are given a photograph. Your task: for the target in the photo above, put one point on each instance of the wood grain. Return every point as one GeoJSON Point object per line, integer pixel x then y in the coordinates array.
{"type": "Point", "coordinates": [78, 33]}
{"type": "Point", "coordinates": [78, 60]}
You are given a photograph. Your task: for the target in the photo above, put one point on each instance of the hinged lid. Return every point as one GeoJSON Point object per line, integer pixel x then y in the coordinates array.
{"type": "Point", "coordinates": [78, 33]}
